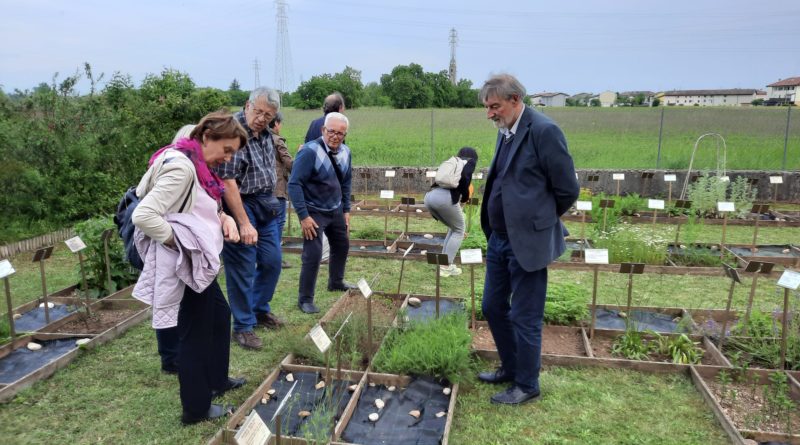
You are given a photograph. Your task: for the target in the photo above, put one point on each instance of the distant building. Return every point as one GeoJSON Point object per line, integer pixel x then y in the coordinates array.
{"type": "Point", "coordinates": [632, 95]}
{"type": "Point", "coordinates": [582, 99]}
{"type": "Point", "coordinates": [549, 99]}
{"type": "Point", "coordinates": [708, 98]}
{"type": "Point", "coordinates": [607, 98]}
{"type": "Point", "coordinates": [784, 91]}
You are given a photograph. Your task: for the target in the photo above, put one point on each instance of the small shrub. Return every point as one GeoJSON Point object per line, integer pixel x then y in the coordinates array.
{"type": "Point", "coordinates": [565, 304]}
{"type": "Point", "coordinates": [122, 275]}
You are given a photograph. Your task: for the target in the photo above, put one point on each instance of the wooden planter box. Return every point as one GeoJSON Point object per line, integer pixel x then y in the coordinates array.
{"type": "Point", "coordinates": [549, 347]}
{"type": "Point", "coordinates": [702, 376]}
{"type": "Point", "coordinates": [8, 390]}
{"type": "Point", "coordinates": [371, 248]}
{"type": "Point", "coordinates": [603, 339]}
{"type": "Point", "coordinates": [770, 253]}
{"type": "Point", "coordinates": [226, 435]}
{"type": "Point", "coordinates": [671, 312]}
{"type": "Point", "coordinates": [357, 303]}
{"type": "Point", "coordinates": [405, 308]}
{"type": "Point", "coordinates": [140, 313]}
{"type": "Point", "coordinates": [647, 218]}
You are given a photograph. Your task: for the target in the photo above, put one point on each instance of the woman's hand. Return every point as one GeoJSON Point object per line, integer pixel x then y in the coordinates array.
{"type": "Point", "coordinates": [229, 230]}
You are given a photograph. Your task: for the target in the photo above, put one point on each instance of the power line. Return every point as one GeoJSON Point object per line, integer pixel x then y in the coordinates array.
{"type": "Point", "coordinates": [453, 42]}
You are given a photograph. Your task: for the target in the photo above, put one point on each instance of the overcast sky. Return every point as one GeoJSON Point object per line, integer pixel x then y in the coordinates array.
{"type": "Point", "coordinates": [570, 46]}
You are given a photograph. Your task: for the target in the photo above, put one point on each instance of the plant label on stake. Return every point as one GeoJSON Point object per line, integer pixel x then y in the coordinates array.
{"type": "Point", "coordinates": [655, 205]}
{"type": "Point", "coordinates": [606, 204]}
{"type": "Point", "coordinates": [472, 257]}
{"type": "Point", "coordinates": [631, 269]}
{"type": "Point", "coordinates": [403, 266]}
{"type": "Point", "coordinates": [583, 207]}
{"type": "Point", "coordinates": [478, 176]}
{"type": "Point", "coordinates": [320, 338]}
{"type": "Point", "coordinates": [758, 210]}
{"type": "Point", "coordinates": [40, 256]}
{"type": "Point", "coordinates": [253, 431]}
{"type": "Point", "coordinates": [6, 270]}
{"type": "Point", "coordinates": [595, 257]}
{"type": "Point", "coordinates": [619, 177]}
{"type": "Point", "coordinates": [363, 286]}
{"type": "Point", "coordinates": [438, 259]}
{"type": "Point", "coordinates": [776, 179]}
{"type": "Point", "coordinates": [725, 178]}
{"type": "Point", "coordinates": [790, 280]}
{"type": "Point", "coordinates": [386, 194]}
{"type": "Point", "coordinates": [389, 173]}
{"type": "Point", "coordinates": [724, 207]}
{"type": "Point", "coordinates": [430, 174]}
{"type": "Point", "coordinates": [669, 179]}
{"type": "Point", "coordinates": [76, 245]}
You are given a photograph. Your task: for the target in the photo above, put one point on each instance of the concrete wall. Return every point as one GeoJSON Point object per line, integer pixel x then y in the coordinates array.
{"type": "Point", "coordinates": [789, 191]}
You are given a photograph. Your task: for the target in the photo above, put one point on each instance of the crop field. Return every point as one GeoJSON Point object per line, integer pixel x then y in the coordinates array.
{"type": "Point", "coordinates": [597, 137]}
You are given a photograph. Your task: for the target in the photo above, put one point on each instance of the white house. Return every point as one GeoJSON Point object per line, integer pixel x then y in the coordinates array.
{"type": "Point", "coordinates": [784, 91]}
{"type": "Point", "coordinates": [708, 98]}
{"type": "Point", "coordinates": [549, 99]}
{"type": "Point", "coordinates": [607, 98]}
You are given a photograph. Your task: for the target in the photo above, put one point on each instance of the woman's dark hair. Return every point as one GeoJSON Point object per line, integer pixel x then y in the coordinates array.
{"type": "Point", "coordinates": [468, 153]}
{"type": "Point", "coordinates": [219, 125]}
{"type": "Point", "coordinates": [278, 119]}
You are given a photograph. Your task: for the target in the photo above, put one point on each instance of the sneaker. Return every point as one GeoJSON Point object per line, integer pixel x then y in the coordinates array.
{"type": "Point", "coordinates": [248, 340]}
{"type": "Point", "coordinates": [449, 271]}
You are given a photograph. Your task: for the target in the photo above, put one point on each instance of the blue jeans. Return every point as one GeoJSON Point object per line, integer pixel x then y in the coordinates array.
{"type": "Point", "coordinates": [252, 272]}
{"type": "Point", "coordinates": [282, 216]}
{"type": "Point", "coordinates": [515, 322]}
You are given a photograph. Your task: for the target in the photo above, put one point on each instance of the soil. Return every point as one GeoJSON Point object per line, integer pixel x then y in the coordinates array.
{"type": "Point", "coordinates": [554, 341]}
{"type": "Point", "coordinates": [706, 324]}
{"type": "Point", "coordinates": [601, 348]}
{"type": "Point", "coordinates": [749, 410]}
{"type": "Point", "coordinates": [100, 321]}
{"type": "Point", "coordinates": [383, 309]}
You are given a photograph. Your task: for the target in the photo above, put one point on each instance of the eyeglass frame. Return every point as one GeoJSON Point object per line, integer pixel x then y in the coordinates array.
{"type": "Point", "coordinates": [335, 133]}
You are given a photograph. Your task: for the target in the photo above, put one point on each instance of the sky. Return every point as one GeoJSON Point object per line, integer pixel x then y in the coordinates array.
{"type": "Point", "coordinates": [568, 46]}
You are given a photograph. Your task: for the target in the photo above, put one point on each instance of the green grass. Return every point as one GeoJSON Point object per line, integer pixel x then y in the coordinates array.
{"type": "Point", "coordinates": [597, 138]}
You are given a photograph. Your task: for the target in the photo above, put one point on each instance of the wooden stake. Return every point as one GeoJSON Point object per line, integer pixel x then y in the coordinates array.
{"type": "Point", "coordinates": [750, 301]}
{"type": "Point", "coordinates": [85, 285]}
{"type": "Point", "coordinates": [44, 293]}
{"type": "Point", "coordinates": [724, 227]}
{"type": "Point", "coordinates": [10, 308]}
{"type": "Point", "coordinates": [594, 301]}
{"type": "Point", "coordinates": [755, 233]}
{"type": "Point", "coordinates": [369, 330]}
{"type": "Point", "coordinates": [630, 299]}
{"type": "Point", "coordinates": [438, 275]}
{"type": "Point", "coordinates": [785, 327]}
{"type": "Point", "coordinates": [727, 311]}
{"type": "Point", "coordinates": [108, 265]}
{"type": "Point", "coordinates": [583, 225]}
{"type": "Point", "coordinates": [472, 291]}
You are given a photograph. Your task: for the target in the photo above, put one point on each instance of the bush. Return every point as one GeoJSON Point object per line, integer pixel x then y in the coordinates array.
{"type": "Point", "coordinates": [565, 304]}
{"type": "Point", "coordinates": [122, 275]}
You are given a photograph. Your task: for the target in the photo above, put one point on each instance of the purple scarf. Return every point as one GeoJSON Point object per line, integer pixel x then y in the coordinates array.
{"type": "Point", "coordinates": [209, 180]}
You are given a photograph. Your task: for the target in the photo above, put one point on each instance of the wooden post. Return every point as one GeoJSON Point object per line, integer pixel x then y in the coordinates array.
{"type": "Point", "coordinates": [669, 193]}
{"type": "Point", "coordinates": [108, 265]}
{"type": "Point", "coordinates": [44, 293]}
{"type": "Point", "coordinates": [278, 429]}
{"type": "Point", "coordinates": [472, 291]}
{"type": "Point", "coordinates": [785, 327]}
{"type": "Point", "coordinates": [369, 330]}
{"type": "Point", "coordinates": [438, 275]}
{"type": "Point", "coordinates": [724, 227]}
{"type": "Point", "coordinates": [594, 301]}
{"type": "Point", "coordinates": [85, 285]}
{"type": "Point", "coordinates": [630, 300]}
{"type": "Point", "coordinates": [10, 308]}
{"type": "Point", "coordinates": [583, 225]}
{"type": "Point", "coordinates": [727, 311]}
{"type": "Point", "coordinates": [750, 298]}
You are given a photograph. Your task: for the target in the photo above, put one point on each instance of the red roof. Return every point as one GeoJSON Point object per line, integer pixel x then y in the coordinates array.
{"type": "Point", "coordinates": [790, 82]}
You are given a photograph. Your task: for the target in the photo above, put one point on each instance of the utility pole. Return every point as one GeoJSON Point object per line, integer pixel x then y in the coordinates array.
{"type": "Point", "coordinates": [256, 74]}
{"type": "Point", "coordinates": [283, 52]}
{"type": "Point", "coordinates": [453, 42]}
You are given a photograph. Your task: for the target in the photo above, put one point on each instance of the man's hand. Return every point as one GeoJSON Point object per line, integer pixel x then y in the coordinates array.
{"type": "Point", "coordinates": [248, 233]}
{"type": "Point", "coordinates": [229, 229]}
{"type": "Point", "coordinates": [347, 223]}
{"type": "Point", "coordinates": [309, 227]}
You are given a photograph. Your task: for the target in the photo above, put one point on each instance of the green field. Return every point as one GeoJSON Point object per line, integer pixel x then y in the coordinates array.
{"type": "Point", "coordinates": [597, 137]}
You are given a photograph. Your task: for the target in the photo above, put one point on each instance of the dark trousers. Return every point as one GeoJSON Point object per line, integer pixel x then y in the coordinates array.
{"type": "Point", "coordinates": [168, 340]}
{"type": "Point", "coordinates": [332, 223]}
{"type": "Point", "coordinates": [204, 326]}
{"type": "Point", "coordinates": [513, 304]}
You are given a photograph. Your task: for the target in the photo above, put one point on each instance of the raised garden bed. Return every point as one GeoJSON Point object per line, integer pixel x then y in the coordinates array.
{"type": "Point", "coordinates": [106, 315]}
{"type": "Point", "coordinates": [749, 403]}
{"type": "Point", "coordinates": [427, 308]}
{"type": "Point", "coordinates": [556, 340]}
{"type": "Point", "coordinates": [358, 247]}
{"type": "Point", "coordinates": [760, 352]}
{"type": "Point", "coordinates": [658, 319]}
{"type": "Point", "coordinates": [782, 219]}
{"type": "Point", "coordinates": [785, 254]}
{"type": "Point", "coordinates": [603, 341]}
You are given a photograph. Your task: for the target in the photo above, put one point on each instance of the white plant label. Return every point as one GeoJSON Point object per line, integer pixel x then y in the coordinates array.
{"type": "Point", "coordinates": [596, 256]}
{"type": "Point", "coordinates": [390, 173]}
{"type": "Point", "coordinates": [6, 269]}
{"type": "Point", "coordinates": [618, 176]}
{"type": "Point", "coordinates": [670, 178]}
{"type": "Point", "coordinates": [776, 179]}
{"type": "Point", "coordinates": [363, 286]}
{"type": "Point", "coordinates": [320, 338]}
{"type": "Point", "coordinates": [789, 280]}
{"type": "Point", "coordinates": [471, 256]}
{"type": "Point", "coordinates": [75, 244]}
{"type": "Point", "coordinates": [656, 204]}
{"type": "Point", "coordinates": [253, 431]}
{"type": "Point", "coordinates": [725, 207]}
{"type": "Point", "coordinates": [584, 205]}
{"type": "Point", "coordinates": [387, 194]}
{"type": "Point", "coordinates": [430, 174]}
{"type": "Point", "coordinates": [477, 176]}
{"type": "Point", "coordinates": [725, 178]}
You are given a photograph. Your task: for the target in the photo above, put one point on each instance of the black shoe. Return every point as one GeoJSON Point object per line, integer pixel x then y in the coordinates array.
{"type": "Point", "coordinates": [169, 369]}
{"type": "Point", "coordinates": [231, 384]}
{"type": "Point", "coordinates": [497, 376]}
{"type": "Point", "coordinates": [514, 396]}
{"type": "Point", "coordinates": [214, 412]}
{"type": "Point", "coordinates": [308, 308]}
{"type": "Point", "coordinates": [344, 286]}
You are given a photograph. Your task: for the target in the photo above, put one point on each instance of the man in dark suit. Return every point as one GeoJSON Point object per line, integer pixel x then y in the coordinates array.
{"type": "Point", "coordinates": [531, 183]}
{"type": "Point", "coordinates": [334, 102]}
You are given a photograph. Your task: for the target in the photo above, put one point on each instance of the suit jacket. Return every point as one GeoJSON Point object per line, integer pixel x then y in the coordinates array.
{"type": "Point", "coordinates": [539, 185]}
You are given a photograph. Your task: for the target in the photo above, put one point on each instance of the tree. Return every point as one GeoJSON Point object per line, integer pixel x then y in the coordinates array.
{"type": "Point", "coordinates": [236, 96]}
{"type": "Point", "coordinates": [406, 87]}
{"type": "Point", "coordinates": [656, 102]}
{"type": "Point", "coordinates": [311, 93]}
{"type": "Point", "coordinates": [348, 82]}
{"type": "Point", "coordinates": [466, 96]}
{"type": "Point", "coordinates": [234, 85]}
{"type": "Point", "coordinates": [757, 102]}
{"type": "Point", "coordinates": [374, 96]}
{"type": "Point", "coordinates": [444, 93]}
{"type": "Point", "coordinates": [594, 102]}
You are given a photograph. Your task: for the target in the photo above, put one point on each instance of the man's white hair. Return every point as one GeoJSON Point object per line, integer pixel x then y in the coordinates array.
{"type": "Point", "coordinates": [336, 116]}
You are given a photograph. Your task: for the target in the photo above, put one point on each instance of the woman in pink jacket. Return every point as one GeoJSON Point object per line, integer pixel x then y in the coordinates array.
{"type": "Point", "coordinates": [180, 231]}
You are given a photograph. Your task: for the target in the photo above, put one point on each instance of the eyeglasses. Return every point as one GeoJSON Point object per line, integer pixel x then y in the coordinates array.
{"type": "Point", "coordinates": [335, 133]}
{"type": "Point", "coordinates": [266, 115]}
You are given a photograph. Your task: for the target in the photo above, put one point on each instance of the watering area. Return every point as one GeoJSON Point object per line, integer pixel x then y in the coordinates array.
{"type": "Point", "coordinates": [642, 320]}
{"type": "Point", "coordinates": [34, 319]}
{"type": "Point", "coordinates": [22, 361]}
{"type": "Point", "coordinates": [395, 425]}
{"type": "Point", "coordinates": [427, 310]}
{"type": "Point", "coordinates": [767, 251]}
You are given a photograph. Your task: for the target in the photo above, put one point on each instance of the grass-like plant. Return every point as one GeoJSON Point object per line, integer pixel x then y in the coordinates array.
{"type": "Point", "coordinates": [631, 345]}
{"type": "Point", "coordinates": [435, 347]}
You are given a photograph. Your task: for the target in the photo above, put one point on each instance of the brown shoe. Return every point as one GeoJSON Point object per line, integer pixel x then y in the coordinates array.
{"type": "Point", "coordinates": [269, 321]}
{"type": "Point", "coordinates": [248, 340]}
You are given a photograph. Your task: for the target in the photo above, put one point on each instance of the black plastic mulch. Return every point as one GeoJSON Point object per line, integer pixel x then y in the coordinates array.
{"type": "Point", "coordinates": [23, 361]}
{"type": "Point", "coordinates": [642, 320]}
{"type": "Point", "coordinates": [396, 425]}
{"type": "Point", "coordinates": [34, 319]}
{"type": "Point", "coordinates": [305, 397]}
{"type": "Point", "coordinates": [437, 240]}
{"type": "Point", "coordinates": [427, 310]}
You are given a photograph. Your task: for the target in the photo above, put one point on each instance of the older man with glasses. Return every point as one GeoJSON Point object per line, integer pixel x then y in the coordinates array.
{"type": "Point", "coordinates": [253, 266]}
{"type": "Point", "coordinates": [319, 188]}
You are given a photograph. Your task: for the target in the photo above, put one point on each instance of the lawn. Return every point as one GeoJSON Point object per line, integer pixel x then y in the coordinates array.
{"type": "Point", "coordinates": [116, 393]}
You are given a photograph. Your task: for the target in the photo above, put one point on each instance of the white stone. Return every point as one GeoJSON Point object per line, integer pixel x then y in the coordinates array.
{"type": "Point", "coordinates": [82, 341]}
{"type": "Point", "coordinates": [391, 388]}
{"type": "Point", "coordinates": [289, 377]}
{"type": "Point", "coordinates": [379, 404]}
{"type": "Point", "coordinates": [414, 413]}
{"type": "Point", "coordinates": [419, 210]}
{"type": "Point", "coordinates": [17, 316]}
{"type": "Point", "coordinates": [320, 385]}
{"type": "Point", "coordinates": [34, 346]}
{"type": "Point", "coordinates": [414, 302]}
{"type": "Point", "coordinates": [371, 384]}
{"type": "Point", "coordinates": [358, 208]}
{"type": "Point", "coordinates": [441, 414]}
{"type": "Point", "coordinates": [623, 314]}
{"type": "Point", "coordinates": [423, 252]}
{"type": "Point", "coordinates": [376, 210]}
{"type": "Point", "coordinates": [388, 247]}
{"type": "Point", "coordinates": [264, 400]}
{"type": "Point", "coordinates": [374, 417]}
{"type": "Point", "coordinates": [402, 211]}
{"type": "Point", "coordinates": [363, 247]}
{"type": "Point", "coordinates": [683, 246]}
{"type": "Point", "coordinates": [304, 414]}
{"type": "Point", "coordinates": [352, 388]}
{"type": "Point", "coordinates": [49, 305]}
{"type": "Point", "coordinates": [714, 247]}
{"type": "Point", "coordinates": [271, 391]}
{"type": "Point", "coordinates": [446, 391]}
{"type": "Point", "coordinates": [785, 250]}
{"type": "Point", "coordinates": [427, 236]}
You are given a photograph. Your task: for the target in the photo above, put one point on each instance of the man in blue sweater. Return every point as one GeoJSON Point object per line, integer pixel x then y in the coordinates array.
{"type": "Point", "coordinates": [319, 188]}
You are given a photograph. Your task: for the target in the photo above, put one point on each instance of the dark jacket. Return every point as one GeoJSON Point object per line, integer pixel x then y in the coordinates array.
{"type": "Point", "coordinates": [539, 185]}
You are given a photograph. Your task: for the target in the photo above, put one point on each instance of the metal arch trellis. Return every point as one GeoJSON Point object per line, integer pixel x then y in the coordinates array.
{"type": "Point", "coordinates": [720, 165]}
